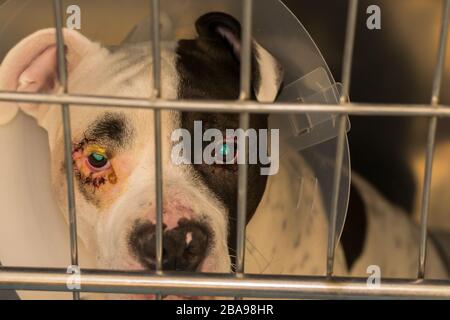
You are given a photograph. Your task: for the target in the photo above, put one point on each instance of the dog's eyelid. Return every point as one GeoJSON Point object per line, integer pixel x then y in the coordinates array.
{"type": "Point", "coordinates": [96, 148]}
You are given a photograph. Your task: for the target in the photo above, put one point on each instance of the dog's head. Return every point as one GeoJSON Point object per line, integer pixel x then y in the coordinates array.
{"type": "Point", "coordinates": [113, 148]}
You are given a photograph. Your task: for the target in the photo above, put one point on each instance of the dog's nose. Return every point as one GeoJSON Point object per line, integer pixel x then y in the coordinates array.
{"type": "Point", "coordinates": [184, 247]}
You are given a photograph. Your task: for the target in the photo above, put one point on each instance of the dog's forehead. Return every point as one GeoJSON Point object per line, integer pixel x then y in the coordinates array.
{"type": "Point", "coordinates": [115, 124]}
{"type": "Point", "coordinates": [126, 71]}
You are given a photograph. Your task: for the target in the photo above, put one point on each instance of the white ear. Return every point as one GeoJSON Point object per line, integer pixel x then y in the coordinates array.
{"type": "Point", "coordinates": [31, 66]}
{"type": "Point", "coordinates": [270, 74]}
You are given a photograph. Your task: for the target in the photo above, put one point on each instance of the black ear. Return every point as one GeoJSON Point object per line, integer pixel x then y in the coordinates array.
{"type": "Point", "coordinates": [208, 24]}
{"type": "Point", "coordinates": [267, 72]}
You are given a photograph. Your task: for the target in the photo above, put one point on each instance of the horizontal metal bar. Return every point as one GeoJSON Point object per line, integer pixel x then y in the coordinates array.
{"type": "Point", "coordinates": [358, 109]}
{"type": "Point", "coordinates": [262, 286]}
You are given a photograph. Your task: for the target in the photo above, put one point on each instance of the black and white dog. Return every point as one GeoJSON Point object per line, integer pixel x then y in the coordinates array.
{"type": "Point", "coordinates": [114, 158]}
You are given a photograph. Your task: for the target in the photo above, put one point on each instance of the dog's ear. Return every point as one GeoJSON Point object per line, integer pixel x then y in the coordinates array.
{"type": "Point", "coordinates": [267, 73]}
{"type": "Point", "coordinates": [31, 66]}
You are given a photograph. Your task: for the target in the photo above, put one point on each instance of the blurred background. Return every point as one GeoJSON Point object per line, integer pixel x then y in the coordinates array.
{"type": "Point", "coordinates": [391, 65]}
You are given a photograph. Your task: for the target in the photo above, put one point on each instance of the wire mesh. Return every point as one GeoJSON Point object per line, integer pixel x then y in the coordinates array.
{"type": "Point", "coordinates": [240, 284]}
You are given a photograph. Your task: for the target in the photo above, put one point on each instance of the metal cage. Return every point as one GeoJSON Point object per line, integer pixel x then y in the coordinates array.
{"type": "Point", "coordinates": [239, 284]}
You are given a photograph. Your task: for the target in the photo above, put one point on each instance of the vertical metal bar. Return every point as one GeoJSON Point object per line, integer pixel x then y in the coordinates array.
{"type": "Point", "coordinates": [246, 58]}
{"type": "Point", "coordinates": [340, 148]}
{"type": "Point", "coordinates": [437, 82]}
{"type": "Point", "coordinates": [62, 74]}
{"type": "Point", "coordinates": [244, 120]}
{"type": "Point", "coordinates": [156, 46]}
{"type": "Point", "coordinates": [352, 15]}
{"type": "Point", "coordinates": [246, 52]}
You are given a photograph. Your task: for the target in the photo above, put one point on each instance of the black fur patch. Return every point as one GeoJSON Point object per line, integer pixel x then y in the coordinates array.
{"type": "Point", "coordinates": [355, 229]}
{"type": "Point", "coordinates": [111, 129]}
{"type": "Point", "coordinates": [209, 69]}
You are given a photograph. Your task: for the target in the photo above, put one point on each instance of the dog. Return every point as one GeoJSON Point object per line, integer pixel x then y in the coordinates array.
{"type": "Point", "coordinates": [113, 157]}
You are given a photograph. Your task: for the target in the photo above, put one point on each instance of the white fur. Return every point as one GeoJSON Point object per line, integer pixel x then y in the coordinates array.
{"type": "Point", "coordinates": [104, 230]}
{"type": "Point", "coordinates": [270, 74]}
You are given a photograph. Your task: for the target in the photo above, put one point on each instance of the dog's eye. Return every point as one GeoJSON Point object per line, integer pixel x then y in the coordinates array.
{"type": "Point", "coordinates": [98, 161]}
{"type": "Point", "coordinates": [227, 152]}
{"type": "Point", "coordinates": [224, 150]}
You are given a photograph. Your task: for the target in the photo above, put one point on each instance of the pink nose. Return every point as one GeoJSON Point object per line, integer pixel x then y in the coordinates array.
{"type": "Point", "coordinates": [172, 214]}
{"type": "Point", "coordinates": [185, 246]}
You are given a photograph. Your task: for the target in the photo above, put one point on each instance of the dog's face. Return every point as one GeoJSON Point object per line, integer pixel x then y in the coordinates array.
{"type": "Point", "coordinates": [114, 152]}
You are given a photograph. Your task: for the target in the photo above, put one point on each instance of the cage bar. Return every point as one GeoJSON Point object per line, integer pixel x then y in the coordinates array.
{"type": "Point", "coordinates": [346, 78]}
{"type": "Point", "coordinates": [355, 109]}
{"type": "Point", "coordinates": [257, 286]}
{"type": "Point", "coordinates": [62, 73]}
{"type": "Point", "coordinates": [156, 94]}
{"type": "Point", "coordinates": [244, 121]}
{"type": "Point", "coordinates": [240, 285]}
{"type": "Point", "coordinates": [431, 139]}
{"type": "Point", "coordinates": [244, 124]}
{"type": "Point", "coordinates": [156, 46]}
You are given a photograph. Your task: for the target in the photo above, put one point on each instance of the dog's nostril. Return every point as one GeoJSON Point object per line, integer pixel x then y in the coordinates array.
{"type": "Point", "coordinates": [185, 246]}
